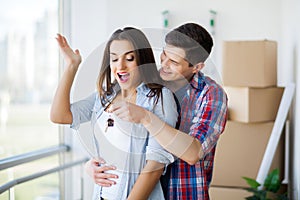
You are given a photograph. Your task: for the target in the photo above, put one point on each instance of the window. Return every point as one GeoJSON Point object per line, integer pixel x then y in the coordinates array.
{"type": "Point", "coordinates": [28, 79]}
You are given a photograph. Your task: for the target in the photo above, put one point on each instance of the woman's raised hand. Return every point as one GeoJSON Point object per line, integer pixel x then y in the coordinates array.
{"type": "Point", "coordinates": [60, 109]}
{"type": "Point", "coordinates": [71, 57]}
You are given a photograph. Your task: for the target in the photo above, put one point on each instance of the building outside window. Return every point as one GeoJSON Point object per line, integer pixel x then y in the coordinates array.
{"type": "Point", "coordinates": [28, 78]}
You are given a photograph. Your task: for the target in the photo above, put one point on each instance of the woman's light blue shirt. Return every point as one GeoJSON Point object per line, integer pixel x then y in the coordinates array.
{"type": "Point", "coordinates": [90, 109]}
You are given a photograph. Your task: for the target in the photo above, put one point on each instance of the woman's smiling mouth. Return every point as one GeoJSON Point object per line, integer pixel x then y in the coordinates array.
{"type": "Point", "coordinates": [123, 76]}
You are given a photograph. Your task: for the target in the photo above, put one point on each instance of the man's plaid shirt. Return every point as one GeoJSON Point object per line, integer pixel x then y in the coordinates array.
{"type": "Point", "coordinates": [203, 115]}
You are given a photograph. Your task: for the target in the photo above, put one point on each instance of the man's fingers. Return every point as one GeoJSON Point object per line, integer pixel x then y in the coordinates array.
{"type": "Point", "coordinates": [105, 176]}
{"type": "Point", "coordinates": [115, 107]}
{"type": "Point", "coordinates": [100, 160]}
{"type": "Point", "coordinates": [104, 168]}
{"type": "Point", "coordinates": [105, 179]}
{"type": "Point", "coordinates": [105, 182]}
{"type": "Point", "coordinates": [120, 109]}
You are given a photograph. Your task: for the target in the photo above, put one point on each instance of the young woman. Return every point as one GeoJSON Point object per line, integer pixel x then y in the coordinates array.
{"type": "Point", "coordinates": [128, 74]}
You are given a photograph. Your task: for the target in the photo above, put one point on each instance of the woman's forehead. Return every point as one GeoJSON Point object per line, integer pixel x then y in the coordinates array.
{"type": "Point", "coordinates": [120, 47]}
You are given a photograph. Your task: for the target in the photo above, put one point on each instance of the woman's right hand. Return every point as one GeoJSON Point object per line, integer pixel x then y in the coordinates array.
{"type": "Point", "coordinates": [98, 174]}
{"type": "Point", "coordinates": [72, 58]}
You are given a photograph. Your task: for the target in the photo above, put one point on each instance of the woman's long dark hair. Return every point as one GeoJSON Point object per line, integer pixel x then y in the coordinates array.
{"type": "Point", "coordinates": [145, 60]}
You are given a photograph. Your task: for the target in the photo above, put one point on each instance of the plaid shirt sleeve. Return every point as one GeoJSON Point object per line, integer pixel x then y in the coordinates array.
{"type": "Point", "coordinates": [210, 119]}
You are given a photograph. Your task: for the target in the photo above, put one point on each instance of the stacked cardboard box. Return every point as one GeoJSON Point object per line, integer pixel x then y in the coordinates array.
{"type": "Point", "coordinates": [250, 78]}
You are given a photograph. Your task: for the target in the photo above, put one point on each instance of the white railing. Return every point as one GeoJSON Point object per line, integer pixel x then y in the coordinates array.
{"type": "Point", "coordinates": [31, 156]}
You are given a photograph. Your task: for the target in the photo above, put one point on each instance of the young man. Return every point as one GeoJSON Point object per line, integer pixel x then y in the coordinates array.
{"type": "Point", "coordinates": [203, 113]}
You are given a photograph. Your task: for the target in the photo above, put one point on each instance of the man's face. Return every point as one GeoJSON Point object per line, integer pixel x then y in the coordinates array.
{"type": "Point", "coordinates": [174, 66]}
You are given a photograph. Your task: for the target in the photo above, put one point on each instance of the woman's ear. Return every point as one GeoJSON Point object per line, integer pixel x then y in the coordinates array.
{"type": "Point", "coordinates": [198, 67]}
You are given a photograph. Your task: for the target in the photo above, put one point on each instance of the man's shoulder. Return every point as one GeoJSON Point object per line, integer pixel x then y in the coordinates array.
{"type": "Point", "coordinates": [207, 88]}
{"type": "Point", "coordinates": [204, 82]}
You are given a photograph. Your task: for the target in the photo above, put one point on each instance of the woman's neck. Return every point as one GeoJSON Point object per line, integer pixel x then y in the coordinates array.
{"type": "Point", "coordinates": [125, 94]}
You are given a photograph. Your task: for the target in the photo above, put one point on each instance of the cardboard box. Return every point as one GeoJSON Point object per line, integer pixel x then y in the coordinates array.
{"type": "Point", "coordinates": [253, 104]}
{"type": "Point", "coordinates": [250, 63]}
{"type": "Point", "coordinates": [224, 193]}
{"type": "Point", "coordinates": [231, 193]}
{"type": "Point", "coordinates": [240, 151]}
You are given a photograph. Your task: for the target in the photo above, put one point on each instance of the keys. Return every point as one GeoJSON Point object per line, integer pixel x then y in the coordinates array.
{"type": "Point", "coordinates": [109, 123]}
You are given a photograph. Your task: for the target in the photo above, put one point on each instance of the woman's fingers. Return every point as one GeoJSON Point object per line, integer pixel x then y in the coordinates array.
{"type": "Point", "coordinates": [71, 56]}
{"type": "Point", "coordinates": [77, 52]}
{"type": "Point", "coordinates": [59, 40]}
{"type": "Point", "coordinates": [65, 43]}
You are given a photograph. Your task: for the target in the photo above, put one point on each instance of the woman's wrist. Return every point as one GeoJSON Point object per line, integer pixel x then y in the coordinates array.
{"type": "Point", "coordinates": [72, 68]}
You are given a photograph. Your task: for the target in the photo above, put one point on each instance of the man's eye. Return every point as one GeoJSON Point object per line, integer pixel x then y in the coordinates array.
{"type": "Point", "coordinates": [174, 63]}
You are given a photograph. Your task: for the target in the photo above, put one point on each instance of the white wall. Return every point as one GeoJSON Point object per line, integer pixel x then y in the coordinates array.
{"type": "Point", "coordinates": [235, 20]}
{"type": "Point", "coordinates": [94, 20]}
{"type": "Point", "coordinates": [289, 69]}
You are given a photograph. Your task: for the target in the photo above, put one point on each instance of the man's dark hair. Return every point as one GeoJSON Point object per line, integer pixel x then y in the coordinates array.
{"type": "Point", "coordinates": [194, 39]}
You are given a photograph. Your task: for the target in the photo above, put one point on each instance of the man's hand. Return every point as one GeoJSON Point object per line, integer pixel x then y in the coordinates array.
{"type": "Point", "coordinates": [98, 174]}
{"type": "Point", "coordinates": [128, 111]}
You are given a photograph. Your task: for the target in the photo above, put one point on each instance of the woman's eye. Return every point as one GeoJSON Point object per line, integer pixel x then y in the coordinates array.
{"type": "Point", "coordinates": [114, 59]}
{"type": "Point", "coordinates": [130, 58]}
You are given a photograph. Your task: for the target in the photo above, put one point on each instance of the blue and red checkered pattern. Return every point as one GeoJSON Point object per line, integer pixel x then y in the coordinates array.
{"type": "Point", "coordinates": [203, 115]}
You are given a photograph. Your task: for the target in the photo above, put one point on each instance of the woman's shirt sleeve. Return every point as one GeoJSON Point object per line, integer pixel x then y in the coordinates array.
{"type": "Point", "coordinates": [82, 111]}
{"type": "Point", "coordinates": [166, 110]}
